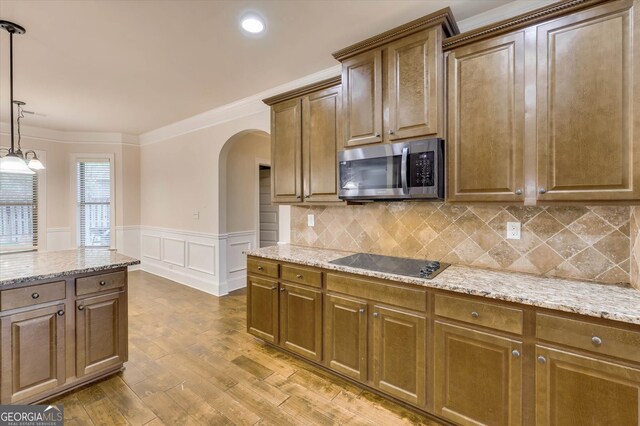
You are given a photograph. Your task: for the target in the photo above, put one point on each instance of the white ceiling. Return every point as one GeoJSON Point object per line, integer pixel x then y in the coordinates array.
{"type": "Point", "coordinates": [134, 66]}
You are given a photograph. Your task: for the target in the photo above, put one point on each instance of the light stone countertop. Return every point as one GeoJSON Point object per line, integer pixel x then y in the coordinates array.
{"type": "Point", "coordinates": [18, 269]}
{"type": "Point", "coordinates": [586, 298]}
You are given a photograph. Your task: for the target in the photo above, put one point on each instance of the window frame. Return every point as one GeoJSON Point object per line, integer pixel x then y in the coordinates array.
{"type": "Point", "coordinates": [42, 206]}
{"type": "Point", "coordinates": [75, 211]}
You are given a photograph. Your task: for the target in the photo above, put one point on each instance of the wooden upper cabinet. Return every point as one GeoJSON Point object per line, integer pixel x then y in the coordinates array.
{"type": "Point", "coordinates": [33, 353]}
{"type": "Point", "coordinates": [306, 135]}
{"type": "Point", "coordinates": [414, 85]}
{"type": "Point", "coordinates": [573, 389]}
{"type": "Point", "coordinates": [101, 333]}
{"type": "Point", "coordinates": [393, 83]}
{"type": "Point", "coordinates": [286, 156]}
{"type": "Point", "coordinates": [362, 98]}
{"type": "Point", "coordinates": [478, 377]}
{"type": "Point", "coordinates": [321, 141]}
{"type": "Point", "coordinates": [486, 120]}
{"type": "Point", "coordinates": [585, 106]}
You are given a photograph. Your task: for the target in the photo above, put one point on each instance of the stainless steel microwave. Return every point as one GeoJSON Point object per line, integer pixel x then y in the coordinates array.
{"type": "Point", "coordinates": [399, 171]}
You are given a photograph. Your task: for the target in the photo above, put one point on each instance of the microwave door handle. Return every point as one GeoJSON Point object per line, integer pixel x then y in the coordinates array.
{"type": "Point", "coordinates": [403, 170]}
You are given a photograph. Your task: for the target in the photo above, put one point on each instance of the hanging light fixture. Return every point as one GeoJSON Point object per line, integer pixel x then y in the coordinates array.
{"type": "Point", "coordinates": [15, 161]}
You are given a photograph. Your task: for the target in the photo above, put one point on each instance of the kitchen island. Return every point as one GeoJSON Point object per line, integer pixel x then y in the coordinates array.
{"type": "Point", "coordinates": [470, 346]}
{"type": "Point", "coordinates": [63, 321]}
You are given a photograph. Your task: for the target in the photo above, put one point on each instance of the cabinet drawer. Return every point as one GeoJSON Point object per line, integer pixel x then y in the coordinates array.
{"type": "Point", "coordinates": [102, 282]}
{"type": "Point", "coordinates": [410, 298]}
{"type": "Point", "coordinates": [588, 336]}
{"type": "Point", "coordinates": [262, 267]}
{"type": "Point", "coordinates": [300, 275]}
{"type": "Point", "coordinates": [488, 315]}
{"type": "Point", "coordinates": [32, 295]}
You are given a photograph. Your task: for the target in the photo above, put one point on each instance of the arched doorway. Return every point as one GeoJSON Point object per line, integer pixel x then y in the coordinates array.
{"type": "Point", "coordinates": [243, 159]}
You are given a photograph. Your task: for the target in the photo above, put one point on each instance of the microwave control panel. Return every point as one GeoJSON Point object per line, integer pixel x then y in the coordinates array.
{"type": "Point", "coordinates": [421, 169]}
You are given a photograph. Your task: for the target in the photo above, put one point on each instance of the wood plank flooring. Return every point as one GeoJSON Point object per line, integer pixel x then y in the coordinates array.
{"type": "Point", "coordinates": [191, 362]}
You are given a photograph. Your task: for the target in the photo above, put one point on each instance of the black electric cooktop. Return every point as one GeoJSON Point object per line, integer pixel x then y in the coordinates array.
{"type": "Point", "coordinates": [393, 265]}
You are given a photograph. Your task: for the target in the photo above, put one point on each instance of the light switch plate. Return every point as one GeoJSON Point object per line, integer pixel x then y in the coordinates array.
{"type": "Point", "coordinates": [196, 215]}
{"type": "Point", "coordinates": [311, 220]}
{"type": "Point", "coordinates": [513, 230]}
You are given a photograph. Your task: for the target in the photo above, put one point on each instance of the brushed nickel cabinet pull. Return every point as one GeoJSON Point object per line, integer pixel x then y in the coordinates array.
{"type": "Point", "coordinates": [81, 308]}
{"type": "Point", "coordinates": [35, 295]}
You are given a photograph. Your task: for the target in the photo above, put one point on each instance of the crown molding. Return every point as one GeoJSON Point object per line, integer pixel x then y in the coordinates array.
{"type": "Point", "coordinates": [526, 18]}
{"type": "Point", "coordinates": [59, 136]}
{"type": "Point", "coordinates": [443, 17]}
{"type": "Point", "coordinates": [305, 90]}
{"type": "Point", "coordinates": [232, 111]}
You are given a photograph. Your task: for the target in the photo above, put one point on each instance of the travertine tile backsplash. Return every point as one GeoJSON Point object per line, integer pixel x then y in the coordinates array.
{"type": "Point", "coordinates": [635, 247]}
{"type": "Point", "coordinates": [591, 243]}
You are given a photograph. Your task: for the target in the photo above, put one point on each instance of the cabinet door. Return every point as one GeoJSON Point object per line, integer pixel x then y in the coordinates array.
{"type": "Point", "coordinates": [573, 389]}
{"type": "Point", "coordinates": [346, 336]}
{"type": "Point", "coordinates": [399, 357]}
{"type": "Point", "coordinates": [321, 141]}
{"type": "Point", "coordinates": [101, 333]}
{"type": "Point", "coordinates": [262, 308]}
{"type": "Point", "coordinates": [584, 109]}
{"type": "Point", "coordinates": [414, 85]}
{"type": "Point", "coordinates": [478, 377]}
{"type": "Point", "coordinates": [301, 321]}
{"type": "Point", "coordinates": [286, 155]}
{"type": "Point", "coordinates": [362, 98]}
{"type": "Point", "coordinates": [33, 353]}
{"type": "Point", "coordinates": [486, 120]}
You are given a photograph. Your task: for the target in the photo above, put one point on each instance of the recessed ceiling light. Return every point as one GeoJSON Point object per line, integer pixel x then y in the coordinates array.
{"type": "Point", "coordinates": [253, 24]}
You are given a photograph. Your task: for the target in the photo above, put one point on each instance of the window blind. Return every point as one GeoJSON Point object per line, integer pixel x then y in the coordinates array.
{"type": "Point", "coordinates": [18, 212]}
{"type": "Point", "coordinates": [94, 203]}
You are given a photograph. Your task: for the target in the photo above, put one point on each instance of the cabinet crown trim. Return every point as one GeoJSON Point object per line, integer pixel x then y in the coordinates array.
{"type": "Point", "coordinates": [443, 17]}
{"type": "Point", "coordinates": [304, 90]}
{"type": "Point", "coordinates": [520, 21]}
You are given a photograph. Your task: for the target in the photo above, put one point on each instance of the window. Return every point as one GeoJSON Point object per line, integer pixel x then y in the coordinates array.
{"type": "Point", "coordinates": [94, 203]}
{"type": "Point", "coordinates": [18, 212]}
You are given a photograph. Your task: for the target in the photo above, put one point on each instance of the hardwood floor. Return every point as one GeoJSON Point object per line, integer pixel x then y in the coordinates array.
{"type": "Point", "coordinates": [191, 362]}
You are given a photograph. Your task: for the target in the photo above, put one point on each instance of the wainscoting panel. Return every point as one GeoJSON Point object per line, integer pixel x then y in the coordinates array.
{"type": "Point", "coordinates": [58, 239]}
{"type": "Point", "coordinates": [173, 251]}
{"type": "Point", "coordinates": [201, 257]}
{"type": "Point", "coordinates": [211, 263]}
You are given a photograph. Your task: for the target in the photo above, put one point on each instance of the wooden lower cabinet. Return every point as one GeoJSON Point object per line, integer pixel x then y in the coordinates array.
{"type": "Point", "coordinates": [346, 334]}
{"type": "Point", "coordinates": [573, 389]}
{"type": "Point", "coordinates": [262, 308]}
{"type": "Point", "coordinates": [33, 352]}
{"type": "Point", "coordinates": [478, 377]}
{"type": "Point", "coordinates": [101, 333]}
{"type": "Point", "coordinates": [399, 353]}
{"type": "Point", "coordinates": [301, 320]}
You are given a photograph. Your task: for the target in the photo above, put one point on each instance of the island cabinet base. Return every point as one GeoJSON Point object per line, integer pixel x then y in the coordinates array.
{"type": "Point", "coordinates": [456, 358]}
{"type": "Point", "coordinates": [61, 333]}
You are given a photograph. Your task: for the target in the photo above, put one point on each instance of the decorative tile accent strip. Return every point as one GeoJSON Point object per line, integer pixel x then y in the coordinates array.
{"type": "Point", "coordinates": [635, 247]}
{"type": "Point", "coordinates": [588, 243]}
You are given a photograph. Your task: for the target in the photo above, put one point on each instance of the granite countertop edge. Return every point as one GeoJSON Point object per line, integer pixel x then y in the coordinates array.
{"type": "Point", "coordinates": [440, 282]}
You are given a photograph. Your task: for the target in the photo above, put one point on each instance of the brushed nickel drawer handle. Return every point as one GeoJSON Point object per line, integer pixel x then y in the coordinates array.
{"type": "Point", "coordinates": [515, 353]}
{"type": "Point", "coordinates": [542, 360]}
{"type": "Point", "coordinates": [273, 288]}
{"type": "Point", "coordinates": [361, 310]}
{"type": "Point", "coordinates": [596, 341]}
{"type": "Point", "coordinates": [260, 268]}
{"type": "Point", "coordinates": [103, 283]}
{"type": "Point", "coordinates": [376, 315]}
{"type": "Point", "coordinates": [81, 308]}
{"type": "Point", "coordinates": [298, 276]}
{"type": "Point", "coordinates": [518, 191]}
{"type": "Point", "coordinates": [60, 313]}
{"type": "Point", "coordinates": [377, 135]}
{"type": "Point", "coordinates": [391, 132]}
{"type": "Point", "coordinates": [474, 314]}
{"type": "Point", "coordinates": [283, 289]}
{"type": "Point", "coordinates": [542, 190]}
{"type": "Point", "coordinates": [35, 295]}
